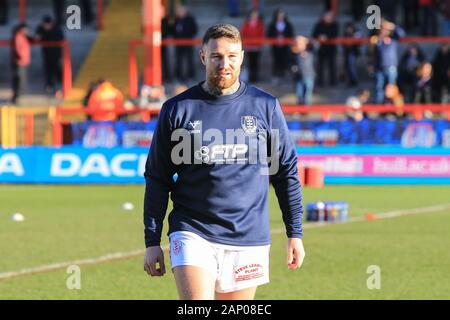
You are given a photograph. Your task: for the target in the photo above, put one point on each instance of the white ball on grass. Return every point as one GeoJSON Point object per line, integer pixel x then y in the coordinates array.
{"type": "Point", "coordinates": [18, 217]}
{"type": "Point", "coordinates": [128, 206]}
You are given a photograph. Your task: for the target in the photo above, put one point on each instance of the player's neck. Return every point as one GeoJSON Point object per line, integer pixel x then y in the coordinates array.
{"type": "Point", "coordinates": [214, 91]}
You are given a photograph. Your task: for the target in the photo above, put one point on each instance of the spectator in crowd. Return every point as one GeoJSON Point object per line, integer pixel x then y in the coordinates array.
{"type": "Point", "coordinates": [324, 30]}
{"type": "Point", "coordinates": [327, 5]}
{"type": "Point", "coordinates": [103, 100]}
{"type": "Point", "coordinates": [185, 28]}
{"type": "Point", "coordinates": [167, 31]}
{"type": "Point", "coordinates": [280, 28]}
{"type": "Point", "coordinates": [20, 59]}
{"type": "Point", "coordinates": [48, 30]}
{"type": "Point", "coordinates": [357, 9]}
{"type": "Point", "coordinates": [303, 69]}
{"type": "Point", "coordinates": [86, 11]}
{"type": "Point", "coordinates": [3, 12]}
{"type": "Point", "coordinates": [422, 88]}
{"type": "Point", "coordinates": [388, 9]}
{"type": "Point", "coordinates": [355, 103]}
{"type": "Point", "coordinates": [384, 57]}
{"type": "Point", "coordinates": [351, 53]}
{"type": "Point", "coordinates": [258, 5]}
{"type": "Point", "coordinates": [253, 28]}
{"type": "Point", "coordinates": [410, 14]}
{"type": "Point", "coordinates": [445, 9]}
{"type": "Point", "coordinates": [428, 11]}
{"type": "Point", "coordinates": [233, 8]}
{"type": "Point", "coordinates": [409, 62]}
{"type": "Point", "coordinates": [59, 8]}
{"type": "Point", "coordinates": [441, 74]}
{"type": "Point", "coordinates": [395, 98]}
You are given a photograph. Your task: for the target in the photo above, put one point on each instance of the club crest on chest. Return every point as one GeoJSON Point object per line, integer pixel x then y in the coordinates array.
{"type": "Point", "coordinates": [249, 124]}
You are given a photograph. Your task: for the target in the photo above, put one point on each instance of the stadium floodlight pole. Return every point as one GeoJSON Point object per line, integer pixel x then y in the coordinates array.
{"type": "Point", "coordinates": [152, 16]}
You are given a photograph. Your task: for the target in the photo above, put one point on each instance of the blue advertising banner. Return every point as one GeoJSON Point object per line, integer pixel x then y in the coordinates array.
{"type": "Point", "coordinates": [406, 133]}
{"type": "Point", "coordinates": [341, 164]}
{"type": "Point", "coordinates": [92, 134]}
{"type": "Point", "coordinates": [72, 165]}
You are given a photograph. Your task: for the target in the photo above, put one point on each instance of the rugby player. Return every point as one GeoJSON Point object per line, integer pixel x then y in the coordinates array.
{"type": "Point", "coordinates": [219, 226]}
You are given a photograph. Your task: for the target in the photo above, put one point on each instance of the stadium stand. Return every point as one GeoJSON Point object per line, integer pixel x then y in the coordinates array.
{"type": "Point", "coordinates": [106, 53]}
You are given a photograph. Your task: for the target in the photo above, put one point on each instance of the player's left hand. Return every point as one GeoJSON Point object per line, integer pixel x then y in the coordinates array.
{"type": "Point", "coordinates": [295, 253]}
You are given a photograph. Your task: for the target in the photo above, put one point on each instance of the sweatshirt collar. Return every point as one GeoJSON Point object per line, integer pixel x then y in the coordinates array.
{"type": "Point", "coordinates": [224, 98]}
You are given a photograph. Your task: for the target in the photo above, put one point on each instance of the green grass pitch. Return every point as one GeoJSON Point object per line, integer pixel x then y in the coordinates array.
{"type": "Point", "coordinates": [66, 223]}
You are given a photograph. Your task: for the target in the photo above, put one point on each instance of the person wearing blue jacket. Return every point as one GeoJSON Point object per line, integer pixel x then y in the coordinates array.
{"type": "Point", "coordinates": [214, 150]}
{"type": "Point", "coordinates": [384, 52]}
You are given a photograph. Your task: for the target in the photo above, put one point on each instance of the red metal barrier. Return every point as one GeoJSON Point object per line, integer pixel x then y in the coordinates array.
{"type": "Point", "coordinates": [66, 63]}
{"type": "Point", "coordinates": [133, 73]}
{"type": "Point", "coordinates": [67, 69]}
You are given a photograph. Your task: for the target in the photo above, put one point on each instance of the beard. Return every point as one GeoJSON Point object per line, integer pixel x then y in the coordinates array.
{"type": "Point", "coordinates": [219, 83]}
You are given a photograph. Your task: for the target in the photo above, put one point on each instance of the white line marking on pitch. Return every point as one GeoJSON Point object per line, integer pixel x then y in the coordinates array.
{"type": "Point", "coordinates": [125, 255]}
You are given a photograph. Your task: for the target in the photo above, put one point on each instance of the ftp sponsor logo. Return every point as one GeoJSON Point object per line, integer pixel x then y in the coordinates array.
{"type": "Point", "coordinates": [226, 147]}
{"type": "Point", "coordinates": [222, 153]}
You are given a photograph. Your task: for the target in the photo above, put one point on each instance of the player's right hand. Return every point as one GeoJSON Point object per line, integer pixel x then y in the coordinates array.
{"type": "Point", "coordinates": [154, 255]}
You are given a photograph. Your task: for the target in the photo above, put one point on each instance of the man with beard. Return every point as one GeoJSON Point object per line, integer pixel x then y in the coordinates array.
{"type": "Point", "coordinates": [219, 226]}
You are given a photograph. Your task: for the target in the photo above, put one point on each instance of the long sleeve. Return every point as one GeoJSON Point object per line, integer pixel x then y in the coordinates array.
{"type": "Point", "coordinates": [398, 33]}
{"type": "Point", "coordinates": [285, 180]}
{"type": "Point", "coordinates": [159, 171]}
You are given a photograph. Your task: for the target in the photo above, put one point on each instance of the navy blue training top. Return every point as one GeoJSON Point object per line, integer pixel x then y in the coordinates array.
{"type": "Point", "coordinates": [221, 188]}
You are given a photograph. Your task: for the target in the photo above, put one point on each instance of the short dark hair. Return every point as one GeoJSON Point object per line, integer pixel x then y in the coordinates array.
{"type": "Point", "coordinates": [222, 30]}
{"type": "Point", "coordinates": [47, 19]}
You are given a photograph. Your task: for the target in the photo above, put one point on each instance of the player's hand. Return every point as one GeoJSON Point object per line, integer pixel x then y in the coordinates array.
{"type": "Point", "coordinates": [154, 255]}
{"type": "Point", "coordinates": [295, 253]}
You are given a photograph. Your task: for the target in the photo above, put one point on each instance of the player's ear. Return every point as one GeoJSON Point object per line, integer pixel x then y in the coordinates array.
{"type": "Point", "coordinates": [201, 54]}
{"type": "Point", "coordinates": [242, 56]}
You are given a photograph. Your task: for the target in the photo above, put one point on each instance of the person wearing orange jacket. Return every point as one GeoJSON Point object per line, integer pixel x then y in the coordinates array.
{"type": "Point", "coordinates": [106, 99]}
{"type": "Point", "coordinates": [20, 59]}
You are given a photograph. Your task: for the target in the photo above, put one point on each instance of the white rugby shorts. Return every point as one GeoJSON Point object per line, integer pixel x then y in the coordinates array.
{"type": "Point", "coordinates": [234, 267]}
